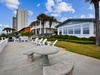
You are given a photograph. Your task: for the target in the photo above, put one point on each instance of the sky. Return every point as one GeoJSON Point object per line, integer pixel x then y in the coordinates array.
{"type": "Point", "coordinates": [60, 9]}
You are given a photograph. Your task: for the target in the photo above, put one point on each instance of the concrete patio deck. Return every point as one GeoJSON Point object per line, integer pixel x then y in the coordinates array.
{"type": "Point", "coordinates": [13, 62]}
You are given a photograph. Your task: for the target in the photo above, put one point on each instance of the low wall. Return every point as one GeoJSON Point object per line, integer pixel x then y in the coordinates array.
{"type": "Point", "coordinates": [3, 44]}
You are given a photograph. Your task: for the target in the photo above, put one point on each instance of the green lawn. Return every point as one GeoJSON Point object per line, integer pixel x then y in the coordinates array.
{"type": "Point", "coordinates": [81, 41]}
{"type": "Point", "coordinates": [86, 49]}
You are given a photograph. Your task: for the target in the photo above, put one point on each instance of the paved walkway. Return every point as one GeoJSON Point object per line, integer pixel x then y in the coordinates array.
{"type": "Point", "coordinates": [13, 62]}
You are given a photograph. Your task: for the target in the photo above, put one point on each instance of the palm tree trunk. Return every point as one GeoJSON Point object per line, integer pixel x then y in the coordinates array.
{"type": "Point", "coordinates": [50, 24]}
{"type": "Point", "coordinates": [43, 28]}
{"type": "Point", "coordinates": [7, 32]}
{"type": "Point", "coordinates": [49, 31]}
{"type": "Point", "coordinates": [40, 27]}
{"type": "Point", "coordinates": [96, 5]}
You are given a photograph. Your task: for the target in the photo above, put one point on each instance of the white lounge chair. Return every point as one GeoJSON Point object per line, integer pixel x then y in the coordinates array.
{"type": "Point", "coordinates": [54, 42]}
{"type": "Point", "coordinates": [43, 42]}
{"type": "Point", "coordinates": [39, 41]}
{"type": "Point", "coordinates": [35, 41]}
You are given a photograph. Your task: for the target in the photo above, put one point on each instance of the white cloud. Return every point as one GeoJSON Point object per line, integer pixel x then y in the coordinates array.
{"type": "Point", "coordinates": [2, 25]}
{"type": "Point", "coordinates": [49, 5]}
{"type": "Point", "coordinates": [88, 16]}
{"type": "Point", "coordinates": [58, 6]}
{"type": "Point", "coordinates": [83, 16]}
{"type": "Point", "coordinates": [64, 7]}
{"type": "Point", "coordinates": [30, 13]}
{"type": "Point", "coordinates": [15, 12]}
{"type": "Point", "coordinates": [59, 0]}
{"type": "Point", "coordinates": [38, 5]}
{"type": "Point", "coordinates": [91, 7]}
{"type": "Point", "coordinates": [63, 19]}
{"type": "Point", "coordinates": [56, 15]}
{"type": "Point", "coordinates": [11, 4]}
{"type": "Point", "coordinates": [1, 31]}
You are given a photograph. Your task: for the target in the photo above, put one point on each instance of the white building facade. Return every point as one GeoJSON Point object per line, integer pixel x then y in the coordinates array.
{"type": "Point", "coordinates": [21, 20]}
{"type": "Point", "coordinates": [77, 27]}
{"type": "Point", "coordinates": [38, 29]}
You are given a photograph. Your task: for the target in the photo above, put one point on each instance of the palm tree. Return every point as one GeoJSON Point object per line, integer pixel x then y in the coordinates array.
{"type": "Point", "coordinates": [31, 25]}
{"type": "Point", "coordinates": [96, 6]}
{"type": "Point", "coordinates": [34, 23]}
{"type": "Point", "coordinates": [51, 19]}
{"type": "Point", "coordinates": [43, 18]}
{"type": "Point", "coordinates": [37, 22]}
{"type": "Point", "coordinates": [12, 29]}
{"type": "Point", "coordinates": [7, 29]}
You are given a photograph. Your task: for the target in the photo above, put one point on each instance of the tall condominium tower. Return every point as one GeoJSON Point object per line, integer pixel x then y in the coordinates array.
{"type": "Point", "coordinates": [14, 23]}
{"type": "Point", "coordinates": [21, 20]}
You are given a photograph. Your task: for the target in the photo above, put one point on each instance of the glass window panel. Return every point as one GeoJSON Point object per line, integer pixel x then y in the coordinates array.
{"type": "Point", "coordinates": [70, 30]}
{"type": "Point", "coordinates": [85, 29]}
{"type": "Point", "coordinates": [65, 30]}
{"type": "Point", "coordinates": [77, 29]}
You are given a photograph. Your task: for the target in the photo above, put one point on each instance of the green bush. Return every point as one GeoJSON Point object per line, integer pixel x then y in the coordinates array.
{"type": "Point", "coordinates": [75, 39]}
{"type": "Point", "coordinates": [72, 37]}
{"type": "Point", "coordinates": [26, 33]}
{"type": "Point", "coordinates": [92, 38]}
{"type": "Point", "coordinates": [66, 37]}
{"type": "Point", "coordinates": [61, 36]}
{"type": "Point", "coordinates": [81, 41]}
{"type": "Point", "coordinates": [51, 39]}
{"type": "Point", "coordinates": [3, 35]}
{"type": "Point", "coordinates": [83, 38]}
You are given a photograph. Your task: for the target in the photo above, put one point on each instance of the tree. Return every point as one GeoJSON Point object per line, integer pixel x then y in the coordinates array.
{"type": "Point", "coordinates": [96, 6]}
{"type": "Point", "coordinates": [37, 22]}
{"type": "Point", "coordinates": [43, 18]}
{"type": "Point", "coordinates": [51, 19]}
{"type": "Point", "coordinates": [34, 23]}
{"type": "Point", "coordinates": [26, 34]}
{"type": "Point", "coordinates": [7, 29]}
{"type": "Point", "coordinates": [12, 29]}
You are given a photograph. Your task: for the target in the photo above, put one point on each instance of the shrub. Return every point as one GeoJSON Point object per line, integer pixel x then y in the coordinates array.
{"type": "Point", "coordinates": [3, 35]}
{"type": "Point", "coordinates": [26, 33]}
{"type": "Point", "coordinates": [81, 41]}
{"type": "Point", "coordinates": [61, 36]}
{"type": "Point", "coordinates": [72, 37]}
{"type": "Point", "coordinates": [92, 38]}
{"type": "Point", "coordinates": [83, 38]}
{"type": "Point", "coordinates": [51, 39]}
{"type": "Point", "coordinates": [78, 40]}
